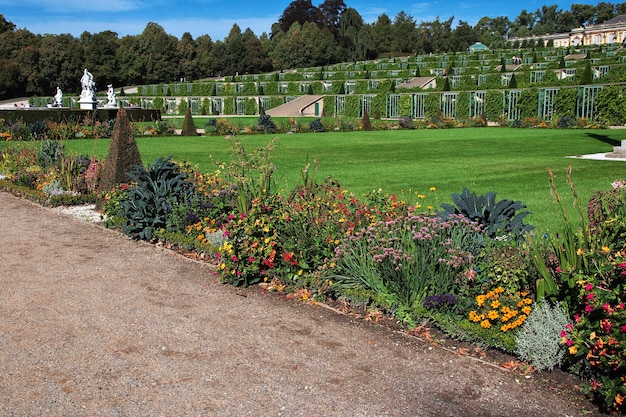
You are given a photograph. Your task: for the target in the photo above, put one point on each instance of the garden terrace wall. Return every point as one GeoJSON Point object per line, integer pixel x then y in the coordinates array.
{"type": "Point", "coordinates": [30, 115]}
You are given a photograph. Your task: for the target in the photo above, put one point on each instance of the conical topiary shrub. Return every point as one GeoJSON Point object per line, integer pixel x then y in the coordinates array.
{"type": "Point", "coordinates": [189, 127]}
{"type": "Point", "coordinates": [365, 122]}
{"type": "Point", "coordinates": [123, 154]}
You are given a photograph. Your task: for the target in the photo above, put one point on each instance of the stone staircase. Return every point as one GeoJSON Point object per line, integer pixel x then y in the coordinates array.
{"type": "Point", "coordinates": [295, 107]}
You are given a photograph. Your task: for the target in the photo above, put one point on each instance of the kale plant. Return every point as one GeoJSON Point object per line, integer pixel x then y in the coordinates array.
{"type": "Point", "coordinates": [497, 219]}
{"type": "Point", "coordinates": [149, 202]}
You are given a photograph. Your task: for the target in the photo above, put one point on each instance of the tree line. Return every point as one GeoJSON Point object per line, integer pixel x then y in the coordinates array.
{"type": "Point", "coordinates": [304, 36]}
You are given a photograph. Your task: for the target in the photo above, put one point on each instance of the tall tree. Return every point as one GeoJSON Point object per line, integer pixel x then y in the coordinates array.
{"type": "Point", "coordinates": [129, 58]}
{"type": "Point", "coordinates": [158, 53]}
{"type": "Point", "coordinates": [298, 11]}
{"type": "Point", "coordinates": [60, 60]}
{"type": "Point", "coordinates": [463, 36]}
{"type": "Point", "coordinates": [404, 33]}
{"type": "Point", "coordinates": [584, 14]}
{"type": "Point", "coordinates": [188, 64]}
{"type": "Point", "coordinates": [203, 45]}
{"type": "Point", "coordinates": [255, 55]}
{"type": "Point", "coordinates": [329, 14]}
{"type": "Point", "coordinates": [234, 51]}
{"type": "Point", "coordinates": [350, 26]}
{"type": "Point", "coordinates": [6, 26]}
{"type": "Point", "coordinates": [604, 11]}
{"type": "Point", "coordinates": [381, 33]}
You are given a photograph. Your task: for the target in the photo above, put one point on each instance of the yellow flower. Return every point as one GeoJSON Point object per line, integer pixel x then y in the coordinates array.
{"type": "Point", "coordinates": [526, 310]}
{"type": "Point", "coordinates": [485, 324]}
{"type": "Point", "coordinates": [433, 188]}
{"type": "Point", "coordinates": [573, 349]}
{"type": "Point", "coordinates": [492, 315]}
{"type": "Point", "coordinates": [480, 300]}
{"type": "Point", "coordinates": [473, 316]}
{"type": "Point", "coordinates": [495, 304]}
{"type": "Point", "coordinates": [580, 252]}
{"type": "Point", "coordinates": [619, 398]}
{"type": "Point", "coordinates": [421, 196]}
{"type": "Point", "coordinates": [606, 249]}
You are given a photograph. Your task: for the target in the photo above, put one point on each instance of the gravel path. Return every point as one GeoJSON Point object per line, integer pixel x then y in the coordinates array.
{"type": "Point", "coordinates": [94, 324]}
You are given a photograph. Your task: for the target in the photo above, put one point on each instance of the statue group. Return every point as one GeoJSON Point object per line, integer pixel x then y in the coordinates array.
{"type": "Point", "coordinates": [88, 98]}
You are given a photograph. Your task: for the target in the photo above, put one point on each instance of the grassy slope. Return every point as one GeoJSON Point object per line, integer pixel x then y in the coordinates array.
{"type": "Point", "coordinates": [511, 162]}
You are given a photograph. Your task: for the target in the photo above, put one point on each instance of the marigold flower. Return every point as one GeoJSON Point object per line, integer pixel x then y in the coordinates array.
{"type": "Point", "coordinates": [495, 304]}
{"type": "Point", "coordinates": [526, 310]}
{"type": "Point", "coordinates": [619, 398]}
{"type": "Point", "coordinates": [492, 315]}
{"type": "Point", "coordinates": [480, 300]}
{"type": "Point", "coordinates": [485, 324]}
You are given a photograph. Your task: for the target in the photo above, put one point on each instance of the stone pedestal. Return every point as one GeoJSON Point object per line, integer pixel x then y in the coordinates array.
{"type": "Point", "coordinates": [88, 103]}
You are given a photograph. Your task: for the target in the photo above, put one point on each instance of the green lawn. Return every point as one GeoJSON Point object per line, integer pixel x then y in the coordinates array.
{"type": "Point", "coordinates": [511, 162]}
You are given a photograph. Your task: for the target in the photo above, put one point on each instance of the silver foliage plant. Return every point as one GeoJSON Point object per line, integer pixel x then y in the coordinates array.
{"type": "Point", "coordinates": [539, 339]}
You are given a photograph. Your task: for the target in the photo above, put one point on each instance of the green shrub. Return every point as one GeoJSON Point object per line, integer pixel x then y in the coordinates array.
{"type": "Point", "coordinates": [266, 124]}
{"type": "Point", "coordinates": [539, 339]}
{"type": "Point", "coordinates": [317, 126]}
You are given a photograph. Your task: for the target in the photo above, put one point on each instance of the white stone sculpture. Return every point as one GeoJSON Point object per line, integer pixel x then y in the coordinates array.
{"type": "Point", "coordinates": [111, 97]}
{"type": "Point", "coordinates": [88, 94]}
{"type": "Point", "coordinates": [58, 98]}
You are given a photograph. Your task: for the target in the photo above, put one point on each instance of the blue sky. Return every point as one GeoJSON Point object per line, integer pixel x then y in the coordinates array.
{"type": "Point", "coordinates": [216, 17]}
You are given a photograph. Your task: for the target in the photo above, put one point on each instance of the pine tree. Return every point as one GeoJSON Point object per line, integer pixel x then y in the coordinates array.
{"type": "Point", "coordinates": [123, 154]}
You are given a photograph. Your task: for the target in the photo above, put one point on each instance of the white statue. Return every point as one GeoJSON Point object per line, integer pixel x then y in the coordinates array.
{"type": "Point", "coordinates": [88, 85]}
{"type": "Point", "coordinates": [58, 98]}
{"type": "Point", "coordinates": [111, 96]}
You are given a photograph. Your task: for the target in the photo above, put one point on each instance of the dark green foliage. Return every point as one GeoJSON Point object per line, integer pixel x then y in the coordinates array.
{"type": "Point", "coordinates": [587, 76]}
{"type": "Point", "coordinates": [562, 62]}
{"type": "Point", "coordinates": [123, 154]}
{"type": "Point", "coordinates": [501, 218]}
{"type": "Point", "coordinates": [189, 127]}
{"type": "Point", "coordinates": [316, 126]}
{"type": "Point", "coordinates": [513, 82]}
{"type": "Point", "coordinates": [148, 203]}
{"type": "Point", "coordinates": [266, 124]}
{"type": "Point", "coordinates": [446, 85]}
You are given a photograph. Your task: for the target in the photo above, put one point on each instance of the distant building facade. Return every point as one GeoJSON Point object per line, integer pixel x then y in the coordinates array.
{"type": "Point", "coordinates": [610, 32]}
